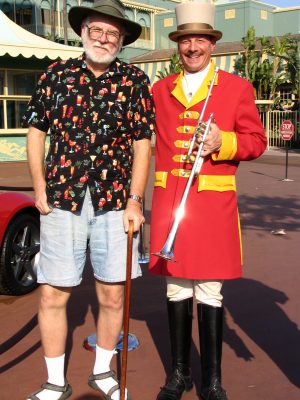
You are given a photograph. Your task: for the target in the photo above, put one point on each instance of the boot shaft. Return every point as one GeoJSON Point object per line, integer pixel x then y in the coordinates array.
{"type": "Point", "coordinates": [180, 316]}
{"type": "Point", "coordinates": [210, 323]}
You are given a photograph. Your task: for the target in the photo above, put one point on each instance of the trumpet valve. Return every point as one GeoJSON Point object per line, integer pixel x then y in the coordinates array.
{"type": "Point", "coordinates": [187, 158]}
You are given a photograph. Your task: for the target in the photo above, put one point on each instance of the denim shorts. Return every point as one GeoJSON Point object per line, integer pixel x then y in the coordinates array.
{"type": "Point", "coordinates": [66, 238]}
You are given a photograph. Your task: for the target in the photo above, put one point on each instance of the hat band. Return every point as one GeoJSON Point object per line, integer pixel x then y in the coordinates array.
{"type": "Point", "coordinates": [194, 27]}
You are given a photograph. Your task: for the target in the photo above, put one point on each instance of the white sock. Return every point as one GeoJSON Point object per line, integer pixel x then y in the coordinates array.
{"type": "Point", "coordinates": [103, 359]}
{"type": "Point", "coordinates": [56, 376]}
{"type": "Point", "coordinates": [102, 364]}
{"type": "Point", "coordinates": [56, 370]}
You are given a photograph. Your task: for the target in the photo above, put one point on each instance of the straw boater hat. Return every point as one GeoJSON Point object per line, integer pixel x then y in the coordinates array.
{"type": "Point", "coordinates": [113, 9]}
{"type": "Point", "coordinates": [195, 17]}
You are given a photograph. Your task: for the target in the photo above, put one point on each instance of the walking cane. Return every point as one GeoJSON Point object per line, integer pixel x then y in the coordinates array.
{"type": "Point", "coordinates": [126, 311]}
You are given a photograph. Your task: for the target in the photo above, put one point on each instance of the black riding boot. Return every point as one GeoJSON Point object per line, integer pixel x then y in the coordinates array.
{"type": "Point", "coordinates": [180, 314]}
{"type": "Point", "coordinates": [210, 322]}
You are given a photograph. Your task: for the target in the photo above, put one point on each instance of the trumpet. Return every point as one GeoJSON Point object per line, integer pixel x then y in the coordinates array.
{"type": "Point", "coordinates": [200, 121]}
{"type": "Point", "coordinates": [167, 252]}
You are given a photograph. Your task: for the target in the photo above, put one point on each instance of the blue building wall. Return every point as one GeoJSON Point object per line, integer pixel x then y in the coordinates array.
{"type": "Point", "coordinates": [286, 21]}
{"type": "Point", "coordinates": [232, 18]}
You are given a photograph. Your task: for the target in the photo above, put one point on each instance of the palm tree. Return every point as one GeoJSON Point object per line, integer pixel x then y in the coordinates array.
{"type": "Point", "coordinates": [270, 65]}
{"type": "Point", "coordinates": [174, 68]}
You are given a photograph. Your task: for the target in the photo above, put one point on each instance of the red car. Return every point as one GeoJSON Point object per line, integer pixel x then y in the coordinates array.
{"type": "Point", "coordinates": [19, 243]}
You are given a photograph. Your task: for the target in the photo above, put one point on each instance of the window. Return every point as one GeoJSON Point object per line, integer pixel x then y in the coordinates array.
{"type": "Point", "coordinates": [230, 14]}
{"type": "Point", "coordinates": [145, 22]}
{"type": "Point", "coordinates": [8, 10]}
{"type": "Point", "coordinates": [15, 111]}
{"type": "Point", "coordinates": [145, 34]}
{"type": "Point", "coordinates": [45, 17]}
{"type": "Point", "coordinates": [45, 10]}
{"type": "Point", "coordinates": [21, 82]}
{"type": "Point", "coordinates": [16, 87]}
{"type": "Point", "coordinates": [1, 115]}
{"type": "Point", "coordinates": [24, 13]}
{"type": "Point", "coordinates": [168, 22]}
{"type": "Point", "coordinates": [264, 15]}
{"type": "Point", "coordinates": [1, 82]}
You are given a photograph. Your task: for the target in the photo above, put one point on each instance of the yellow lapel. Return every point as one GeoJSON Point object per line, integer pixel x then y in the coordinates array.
{"type": "Point", "coordinates": [178, 91]}
{"type": "Point", "coordinates": [201, 93]}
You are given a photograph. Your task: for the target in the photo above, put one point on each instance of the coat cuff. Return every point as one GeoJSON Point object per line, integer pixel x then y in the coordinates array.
{"type": "Point", "coordinates": [228, 148]}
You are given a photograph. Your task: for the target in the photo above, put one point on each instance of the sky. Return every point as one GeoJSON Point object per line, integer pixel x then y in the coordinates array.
{"type": "Point", "coordinates": [282, 3]}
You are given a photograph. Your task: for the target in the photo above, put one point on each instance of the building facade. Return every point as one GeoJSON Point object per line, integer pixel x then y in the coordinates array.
{"type": "Point", "coordinates": [48, 18]}
{"type": "Point", "coordinates": [152, 51]}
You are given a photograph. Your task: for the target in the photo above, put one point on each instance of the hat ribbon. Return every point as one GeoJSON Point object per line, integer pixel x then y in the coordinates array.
{"type": "Point", "coordinates": [194, 26]}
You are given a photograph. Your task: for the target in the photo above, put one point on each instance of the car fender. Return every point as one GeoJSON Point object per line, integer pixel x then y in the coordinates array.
{"type": "Point", "coordinates": [11, 204]}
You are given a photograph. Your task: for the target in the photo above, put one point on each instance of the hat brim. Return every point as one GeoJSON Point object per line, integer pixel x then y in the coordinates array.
{"type": "Point", "coordinates": [175, 36]}
{"type": "Point", "coordinates": [78, 14]}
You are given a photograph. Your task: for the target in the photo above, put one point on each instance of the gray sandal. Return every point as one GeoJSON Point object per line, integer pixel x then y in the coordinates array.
{"type": "Point", "coordinates": [105, 375]}
{"type": "Point", "coordinates": [65, 390]}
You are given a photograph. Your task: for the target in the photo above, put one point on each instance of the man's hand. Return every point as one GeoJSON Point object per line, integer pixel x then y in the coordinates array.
{"type": "Point", "coordinates": [133, 212]}
{"type": "Point", "coordinates": [212, 142]}
{"type": "Point", "coordinates": [41, 203]}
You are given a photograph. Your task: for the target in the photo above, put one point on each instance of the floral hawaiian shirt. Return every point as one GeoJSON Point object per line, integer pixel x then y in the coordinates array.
{"type": "Point", "coordinates": [93, 123]}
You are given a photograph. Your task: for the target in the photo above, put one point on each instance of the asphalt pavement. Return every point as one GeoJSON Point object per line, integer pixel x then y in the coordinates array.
{"type": "Point", "coordinates": [261, 350]}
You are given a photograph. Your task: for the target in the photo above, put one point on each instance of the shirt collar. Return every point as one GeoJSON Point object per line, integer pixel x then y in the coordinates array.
{"type": "Point", "coordinates": [115, 68]}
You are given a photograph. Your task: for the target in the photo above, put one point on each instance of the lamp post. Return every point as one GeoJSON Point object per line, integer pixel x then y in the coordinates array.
{"type": "Point", "coordinates": [65, 21]}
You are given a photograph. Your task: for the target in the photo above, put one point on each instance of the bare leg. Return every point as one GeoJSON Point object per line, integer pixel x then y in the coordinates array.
{"type": "Point", "coordinates": [53, 319]}
{"type": "Point", "coordinates": [109, 325]}
{"type": "Point", "coordinates": [110, 319]}
{"type": "Point", "coordinates": [53, 327]}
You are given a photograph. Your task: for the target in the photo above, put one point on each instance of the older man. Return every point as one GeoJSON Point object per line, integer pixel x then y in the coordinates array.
{"type": "Point", "coordinates": [100, 115]}
{"type": "Point", "coordinates": [207, 244]}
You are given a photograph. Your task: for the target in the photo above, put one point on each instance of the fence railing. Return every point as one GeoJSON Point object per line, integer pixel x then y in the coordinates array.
{"type": "Point", "coordinates": [272, 121]}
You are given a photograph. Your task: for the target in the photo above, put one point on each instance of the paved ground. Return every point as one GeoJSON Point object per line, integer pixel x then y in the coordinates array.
{"type": "Point", "coordinates": [261, 350]}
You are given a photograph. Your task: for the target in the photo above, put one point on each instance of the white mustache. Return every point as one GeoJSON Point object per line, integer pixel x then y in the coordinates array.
{"type": "Point", "coordinates": [100, 47]}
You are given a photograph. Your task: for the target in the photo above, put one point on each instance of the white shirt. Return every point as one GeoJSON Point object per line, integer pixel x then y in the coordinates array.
{"type": "Point", "coordinates": [192, 81]}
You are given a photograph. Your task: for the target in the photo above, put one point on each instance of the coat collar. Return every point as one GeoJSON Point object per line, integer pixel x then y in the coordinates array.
{"type": "Point", "coordinates": [201, 93]}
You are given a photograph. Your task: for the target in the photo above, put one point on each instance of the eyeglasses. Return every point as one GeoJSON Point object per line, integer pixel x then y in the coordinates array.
{"type": "Point", "coordinates": [97, 33]}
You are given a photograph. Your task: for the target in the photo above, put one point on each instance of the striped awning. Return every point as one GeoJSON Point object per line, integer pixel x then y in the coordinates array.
{"type": "Point", "coordinates": [225, 62]}
{"type": "Point", "coordinates": [16, 41]}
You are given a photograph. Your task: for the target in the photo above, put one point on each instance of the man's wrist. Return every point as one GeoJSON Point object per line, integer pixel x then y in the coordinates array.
{"type": "Point", "coordinates": [136, 197]}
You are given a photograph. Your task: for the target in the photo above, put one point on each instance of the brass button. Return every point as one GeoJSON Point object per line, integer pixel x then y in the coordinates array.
{"type": "Point", "coordinates": [182, 173]}
{"type": "Point", "coordinates": [186, 145]}
{"type": "Point", "coordinates": [187, 115]}
{"type": "Point", "coordinates": [187, 129]}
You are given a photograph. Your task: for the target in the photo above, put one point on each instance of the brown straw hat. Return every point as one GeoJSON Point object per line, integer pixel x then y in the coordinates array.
{"type": "Point", "coordinates": [107, 8]}
{"type": "Point", "coordinates": [195, 18]}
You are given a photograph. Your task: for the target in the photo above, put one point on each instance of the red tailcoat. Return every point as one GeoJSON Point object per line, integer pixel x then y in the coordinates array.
{"type": "Point", "coordinates": [208, 240]}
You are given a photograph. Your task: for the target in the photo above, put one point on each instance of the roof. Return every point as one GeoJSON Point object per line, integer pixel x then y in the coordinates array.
{"type": "Point", "coordinates": [221, 48]}
{"type": "Point", "coordinates": [165, 54]}
{"type": "Point", "coordinates": [15, 41]}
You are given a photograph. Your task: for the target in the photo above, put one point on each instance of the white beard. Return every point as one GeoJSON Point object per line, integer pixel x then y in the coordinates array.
{"type": "Point", "coordinates": [103, 59]}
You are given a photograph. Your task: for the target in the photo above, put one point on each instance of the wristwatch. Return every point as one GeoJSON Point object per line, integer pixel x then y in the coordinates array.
{"type": "Point", "coordinates": [136, 197]}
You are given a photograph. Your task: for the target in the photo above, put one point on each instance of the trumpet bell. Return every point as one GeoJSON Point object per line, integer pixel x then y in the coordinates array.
{"type": "Point", "coordinates": [169, 256]}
